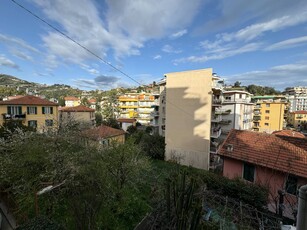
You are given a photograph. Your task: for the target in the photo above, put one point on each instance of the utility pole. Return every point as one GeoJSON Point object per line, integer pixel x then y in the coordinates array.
{"type": "Point", "coordinates": [301, 223]}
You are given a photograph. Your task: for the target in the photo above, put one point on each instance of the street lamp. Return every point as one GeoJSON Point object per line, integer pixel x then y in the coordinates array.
{"type": "Point", "coordinates": [42, 191]}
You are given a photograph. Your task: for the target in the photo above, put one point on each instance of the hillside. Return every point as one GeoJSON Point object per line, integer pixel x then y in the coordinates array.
{"type": "Point", "coordinates": [12, 81]}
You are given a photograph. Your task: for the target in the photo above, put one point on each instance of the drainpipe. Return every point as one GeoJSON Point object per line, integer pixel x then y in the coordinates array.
{"type": "Point", "coordinates": [301, 223]}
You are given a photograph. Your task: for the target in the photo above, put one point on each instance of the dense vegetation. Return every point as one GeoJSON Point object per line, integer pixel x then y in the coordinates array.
{"type": "Point", "coordinates": [105, 188]}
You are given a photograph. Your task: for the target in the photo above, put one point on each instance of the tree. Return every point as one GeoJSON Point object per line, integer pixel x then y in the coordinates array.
{"type": "Point", "coordinates": [98, 118]}
{"type": "Point", "coordinates": [85, 102]}
{"type": "Point", "coordinates": [237, 84]}
{"type": "Point", "coordinates": [111, 122]}
{"type": "Point", "coordinates": [110, 107]}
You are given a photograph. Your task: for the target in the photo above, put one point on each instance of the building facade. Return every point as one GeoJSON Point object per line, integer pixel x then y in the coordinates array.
{"type": "Point", "coordinates": [72, 101]}
{"type": "Point", "coordinates": [31, 111]}
{"type": "Point", "coordinates": [297, 97]}
{"type": "Point", "coordinates": [270, 113]}
{"type": "Point", "coordinates": [298, 119]}
{"type": "Point", "coordinates": [188, 117]}
{"type": "Point", "coordinates": [81, 114]}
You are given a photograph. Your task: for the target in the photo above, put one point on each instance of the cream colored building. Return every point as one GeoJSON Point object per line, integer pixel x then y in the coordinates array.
{"type": "Point", "coordinates": [72, 101]}
{"type": "Point", "coordinates": [81, 114]}
{"type": "Point", "coordinates": [188, 111]}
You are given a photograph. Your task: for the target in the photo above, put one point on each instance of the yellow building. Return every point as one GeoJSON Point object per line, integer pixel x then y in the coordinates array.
{"type": "Point", "coordinates": [72, 101]}
{"type": "Point", "coordinates": [298, 119]}
{"type": "Point", "coordinates": [269, 113]}
{"type": "Point", "coordinates": [128, 105]}
{"type": "Point", "coordinates": [30, 111]}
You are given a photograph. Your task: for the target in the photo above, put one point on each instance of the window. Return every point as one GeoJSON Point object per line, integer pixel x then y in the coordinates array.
{"type": "Point", "coordinates": [49, 122]}
{"type": "Point", "coordinates": [32, 123]}
{"type": "Point", "coordinates": [291, 184]}
{"type": "Point", "coordinates": [240, 96]}
{"type": "Point", "coordinates": [267, 118]}
{"type": "Point", "coordinates": [14, 110]}
{"type": "Point", "coordinates": [249, 172]}
{"type": "Point", "coordinates": [266, 124]}
{"type": "Point", "coordinates": [31, 110]}
{"type": "Point", "coordinates": [47, 110]}
{"type": "Point", "coordinates": [228, 98]}
{"type": "Point", "coordinates": [267, 111]}
{"type": "Point", "coordinates": [267, 105]}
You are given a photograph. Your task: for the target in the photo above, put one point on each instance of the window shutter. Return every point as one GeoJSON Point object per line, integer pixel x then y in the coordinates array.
{"type": "Point", "coordinates": [43, 110]}
{"type": "Point", "coordinates": [51, 110]}
{"type": "Point", "coordinates": [28, 111]}
{"type": "Point", "coordinates": [19, 110]}
{"type": "Point", "coordinates": [35, 110]}
{"type": "Point", "coordinates": [9, 110]}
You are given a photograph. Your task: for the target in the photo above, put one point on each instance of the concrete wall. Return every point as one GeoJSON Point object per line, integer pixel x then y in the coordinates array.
{"type": "Point", "coordinates": [188, 117]}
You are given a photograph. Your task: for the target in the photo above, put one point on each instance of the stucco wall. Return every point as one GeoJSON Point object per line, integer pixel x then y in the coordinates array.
{"type": "Point", "coordinates": [188, 117]}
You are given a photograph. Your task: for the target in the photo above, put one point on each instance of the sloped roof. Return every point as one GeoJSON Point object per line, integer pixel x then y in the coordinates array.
{"type": "Point", "coordinates": [282, 153]}
{"type": "Point", "coordinates": [289, 133]}
{"type": "Point", "coordinates": [103, 132]}
{"type": "Point", "coordinates": [126, 120]}
{"type": "Point", "coordinates": [299, 112]}
{"type": "Point", "coordinates": [79, 108]}
{"type": "Point", "coordinates": [69, 98]}
{"type": "Point", "coordinates": [92, 100]}
{"type": "Point", "coordinates": [28, 100]}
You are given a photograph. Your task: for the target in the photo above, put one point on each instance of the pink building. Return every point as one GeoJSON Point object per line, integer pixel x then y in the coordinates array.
{"type": "Point", "coordinates": [278, 162]}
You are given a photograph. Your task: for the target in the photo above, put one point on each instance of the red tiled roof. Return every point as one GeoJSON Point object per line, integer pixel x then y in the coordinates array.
{"type": "Point", "coordinates": [71, 98]}
{"type": "Point", "coordinates": [93, 100]}
{"type": "Point", "coordinates": [79, 108]}
{"type": "Point", "coordinates": [103, 132]}
{"type": "Point", "coordinates": [126, 120]}
{"type": "Point", "coordinates": [28, 100]}
{"type": "Point", "coordinates": [299, 112]}
{"type": "Point", "coordinates": [282, 153]}
{"type": "Point", "coordinates": [289, 133]}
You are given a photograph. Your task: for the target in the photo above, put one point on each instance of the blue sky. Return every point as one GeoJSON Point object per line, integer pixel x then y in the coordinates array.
{"type": "Point", "coordinates": [256, 42]}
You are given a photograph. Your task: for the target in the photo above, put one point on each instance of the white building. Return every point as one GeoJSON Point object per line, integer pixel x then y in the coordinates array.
{"type": "Point", "coordinates": [297, 97]}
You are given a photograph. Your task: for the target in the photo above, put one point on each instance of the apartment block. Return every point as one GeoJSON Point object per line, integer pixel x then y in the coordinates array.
{"type": "Point", "coordinates": [188, 131]}
{"type": "Point", "coordinates": [82, 114]}
{"type": "Point", "coordinates": [270, 113]}
{"type": "Point", "coordinates": [162, 106]}
{"type": "Point", "coordinates": [30, 111]}
{"type": "Point", "coordinates": [298, 119]}
{"type": "Point", "coordinates": [297, 97]}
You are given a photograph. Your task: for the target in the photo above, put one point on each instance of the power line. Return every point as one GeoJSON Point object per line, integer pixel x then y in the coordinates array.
{"type": "Point", "coordinates": [74, 41]}
{"type": "Point", "coordinates": [88, 50]}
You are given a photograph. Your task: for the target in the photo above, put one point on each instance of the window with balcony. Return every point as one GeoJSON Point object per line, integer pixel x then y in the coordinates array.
{"type": "Point", "coordinates": [248, 172]}
{"type": "Point", "coordinates": [14, 110]}
{"type": "Point", "coordinates": [47, 110]}
{"type": "Point", "coordinates": [31, 110]}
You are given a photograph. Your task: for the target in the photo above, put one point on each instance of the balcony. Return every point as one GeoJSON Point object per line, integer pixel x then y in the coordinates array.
{"type": "Point", "coordinates": [154, 114]}
{"type": "Point", "coordinates": [225, 122]}
{"type": "Point", "coordinates": [237, 100]}
{"type": "Point", "coordinates": [257, 107]}
{"type": "Point", "coordinates": [256, 113]}
{"type": "Point", "coordinates": [257, 118]}
{"type": "Point", "coordinates": [222, 111]}
{"type": "Point", "coordinates": [216, 118]}
{"type": "Point", "coordinates": [13, 116]}
{"type": "Point", "coordinates": [217, 85]}
{"type": "Point", "coordinates": [216, 132]}
{"type": "Point", "coordinates": [217, 102]}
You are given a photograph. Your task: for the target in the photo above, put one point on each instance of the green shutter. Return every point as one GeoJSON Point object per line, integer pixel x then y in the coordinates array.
{"type": "Point", "coordinates": [9, 111]}
{"type": "Point", "coordinates": [43, 110]}
{"type": "Point", "coordinates": [35, 110]}
{"type": "Point", "coordinates": [51, 110]}
{"type": "Point", "coordinates": [19, 110]}
{"type": "Point", "coordinates": [28, 111]}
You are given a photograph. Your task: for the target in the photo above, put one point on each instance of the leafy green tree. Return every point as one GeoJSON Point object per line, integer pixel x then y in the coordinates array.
{"type": "Point", "coordinates": [237, 84]}
{"type": "Point", "coordinates": [110, 107]}
{"type": "Point", "coordinates": [98, 118]}
{"type": "Point", "coordinates": [85, 102]}
{"type": "Point", "coordinates": [111, 122]}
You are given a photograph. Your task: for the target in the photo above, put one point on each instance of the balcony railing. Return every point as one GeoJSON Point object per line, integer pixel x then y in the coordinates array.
{"type": "Point", "coordinates": [257, 113]}
{"type": "Point", "coordinates": [222, 111]}
{"type": "Point", "coordinates": [257, 118]}
{"type": "Point", "coordinates": [216, 132]}
{"type": "Point", "coordinates": [154, 113]}
{"type": "Point", "coordinates": [225, 122]}
{"type": "Point", "coordinates": [216, 118]}
{"type": "Point", "coordinates": [236, 100]}
{"type": "Point", "coordinates": [217, 101]}
{"type": "Point", "coordinates": [13, 116]}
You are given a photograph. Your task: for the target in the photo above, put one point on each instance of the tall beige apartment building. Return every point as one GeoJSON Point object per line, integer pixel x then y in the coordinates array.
{"type": "Point", "coordinates": [188, 131]}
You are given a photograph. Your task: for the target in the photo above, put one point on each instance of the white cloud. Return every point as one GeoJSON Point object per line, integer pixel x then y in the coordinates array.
{"type": "Point", "coordinates": [276, 76]}
{"type": "Point", "coordinates": [16, 42]}
{"type": "Point", "coordinates": [157, 57]}
{"type": "Point", "coordinates": [123, 30]}
{"type": "Point", "coordinates": [179, 34]}
{"type": "Point", "coordinates": [170, 49]}
{"type": "Point", "coordinates": [220, 55]}
{"type": "Point", "coordinates": [21, 55]}
{"type": "Point", "coordinates": [7, 62]}
{"type": "Point", "coordinates": [288, 43]}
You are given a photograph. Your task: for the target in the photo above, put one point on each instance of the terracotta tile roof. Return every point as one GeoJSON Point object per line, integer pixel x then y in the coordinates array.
{"type": "Point", "coordinates": [79, 108]}
{"type": "Point", "coordinates": [69, 98]}
{"type": "Point", "coordinates": [299, 112]}
{"type": "Point", "coordinates": [92, 101]}
{"type": "Point", "coordinates": [103, 132]}
{"type": "Point", "coordinates": [289, 133]}
{"type": "Point", "coordinates": [282, 153]}
{"type": "Point", "coordinates": [28, 100]}
{"type": "Point", "coordinates": [126, 120]}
